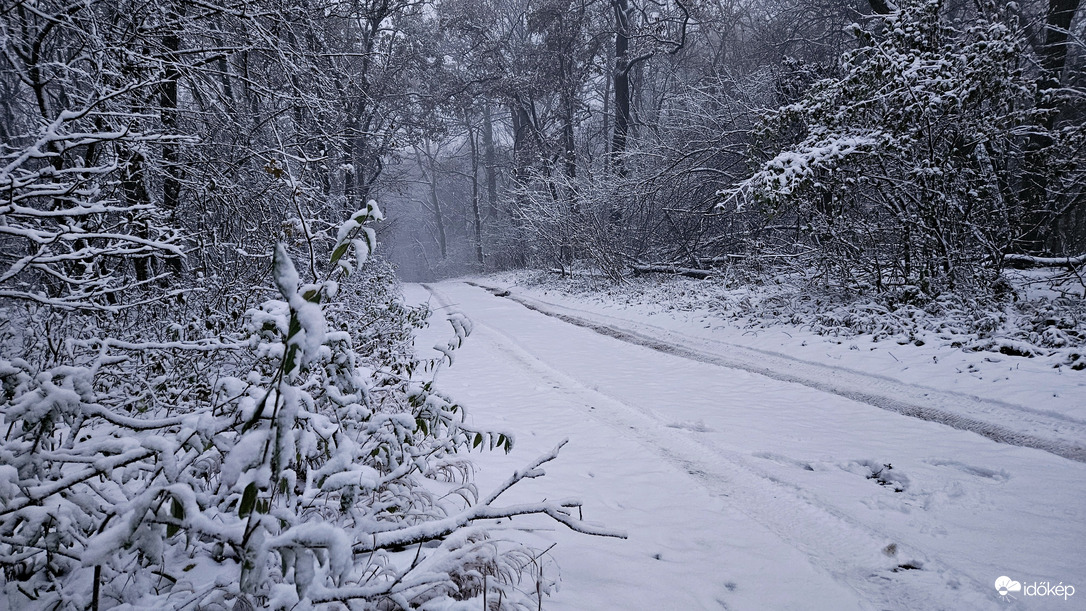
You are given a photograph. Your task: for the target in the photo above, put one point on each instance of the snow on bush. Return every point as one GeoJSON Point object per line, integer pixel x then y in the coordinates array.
{"type": "Point", "coordinates": [898, 168]}
{"type": "Point", "coordinates": [292, 463]}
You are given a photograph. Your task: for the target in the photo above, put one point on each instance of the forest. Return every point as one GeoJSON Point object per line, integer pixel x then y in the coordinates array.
{"type": "Point", "coordinates": [210, 397]}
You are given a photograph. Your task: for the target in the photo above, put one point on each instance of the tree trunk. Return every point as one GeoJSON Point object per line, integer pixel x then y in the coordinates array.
{"type": "Point", "coordinates": [1037, 209]}
{"type": "Point", "coordinates": [435, 204]}
{"type": "Point", "coordinates": [621, 82]}
{"type": "Point", "coordinates": [569, 151]}
{"type": "Point", "coordinates": [607, 122]}
{"type": "Point", "coordinates": [521, 140]}
{"type": "Point", "coordinates": [475, 187]}
{"type": "Point", "coordinates": [167, 101]}
{"type": "Point", "coordinates": [491, 163]}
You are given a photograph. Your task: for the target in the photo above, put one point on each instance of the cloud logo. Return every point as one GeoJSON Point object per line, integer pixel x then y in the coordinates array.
{"type": "Point", "coordinates": [1005, 585]}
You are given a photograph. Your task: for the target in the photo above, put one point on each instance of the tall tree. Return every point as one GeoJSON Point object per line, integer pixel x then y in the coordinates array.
{"type": "Point", "coordinates": [1041, 207]}
{"type": "Point", "coordinates": [639, 35]}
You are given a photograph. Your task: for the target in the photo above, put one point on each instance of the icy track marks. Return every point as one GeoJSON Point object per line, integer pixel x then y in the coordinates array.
{"type": "Point", "coordinates": [853, 551]}
{"type": "Point", "coordinates": [998, 421]}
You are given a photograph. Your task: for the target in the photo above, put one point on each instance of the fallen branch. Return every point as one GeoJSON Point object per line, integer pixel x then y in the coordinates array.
{"type": "Point", "coordinates": [700, 274]}
{"type": "Point", "coordinates": [1031, 261]}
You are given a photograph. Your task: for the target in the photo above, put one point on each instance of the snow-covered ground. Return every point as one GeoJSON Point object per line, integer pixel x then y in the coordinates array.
{"type": "Point", "coordinates": [773, 469]}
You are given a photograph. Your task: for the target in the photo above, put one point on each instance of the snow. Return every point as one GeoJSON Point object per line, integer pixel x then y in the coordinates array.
{"type": "Point", "coordinates": [742, 488]}
{"type": "Point", "coordinates": [788, 169]}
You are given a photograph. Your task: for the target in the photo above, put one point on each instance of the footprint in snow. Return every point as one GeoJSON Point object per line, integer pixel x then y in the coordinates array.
{"type": "Point", "coordinates": [697, 427]}
{"type": "Point", "coordinates": [784, 460]}
{"type": "Point", "coordinates": [999, 476]}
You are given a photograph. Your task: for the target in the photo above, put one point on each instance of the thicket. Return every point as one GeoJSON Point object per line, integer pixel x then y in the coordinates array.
{"type": "Point", "coordinates": [910, 166]}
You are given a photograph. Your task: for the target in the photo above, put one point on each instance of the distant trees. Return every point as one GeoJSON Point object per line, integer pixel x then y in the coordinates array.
{"type": "Point", "coordinates": [923, 144]}
{"type": "Point", "coordinates": [567, 111]}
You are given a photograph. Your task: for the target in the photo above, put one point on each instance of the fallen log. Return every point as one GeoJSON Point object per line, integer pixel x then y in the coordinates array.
{"type": "Point", "coordinates": [700, 274]}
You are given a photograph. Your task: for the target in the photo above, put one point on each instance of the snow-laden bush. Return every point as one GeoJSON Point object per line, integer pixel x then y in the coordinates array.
{"type": "Point", "coordinates": [904, 167]}
{"type": "Point", "coordinates": [292, 463]}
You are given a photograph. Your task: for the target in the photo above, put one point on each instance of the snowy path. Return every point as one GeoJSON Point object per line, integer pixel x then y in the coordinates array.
{"type": "Point", "coordinates": [742, 491]}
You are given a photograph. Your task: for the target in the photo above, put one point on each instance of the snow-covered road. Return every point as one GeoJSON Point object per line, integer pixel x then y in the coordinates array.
{"type": "Point", "coordinates": [748, 491]}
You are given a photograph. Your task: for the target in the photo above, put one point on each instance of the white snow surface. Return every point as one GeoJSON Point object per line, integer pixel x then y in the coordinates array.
{"type": "Point", "coordinates": [750, 469]}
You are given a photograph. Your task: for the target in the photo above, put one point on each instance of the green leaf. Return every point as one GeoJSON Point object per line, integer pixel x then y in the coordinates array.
{"type": "Point", "coordinates": [248, 500]}
{"type": "Point", "coordinates": [288, 363]}
{"type": "Point", "coordinates": [295, 325]}
{"type": "Point", "coordinates": [340, 250]}
{"type": "Point", "coordinates": [478, 440]}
